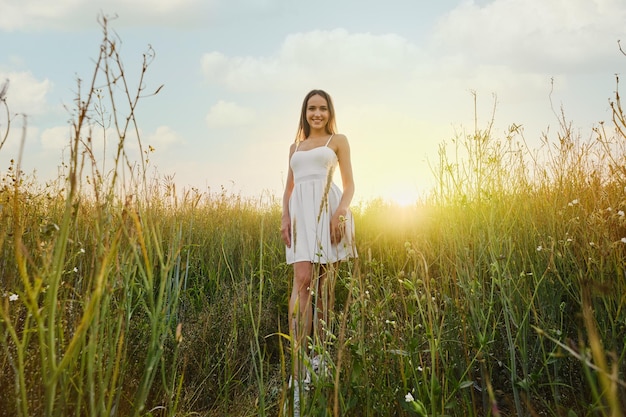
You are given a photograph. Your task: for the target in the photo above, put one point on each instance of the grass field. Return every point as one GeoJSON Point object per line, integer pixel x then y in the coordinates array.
{"type": "Point", "coordinates": [501, 293]}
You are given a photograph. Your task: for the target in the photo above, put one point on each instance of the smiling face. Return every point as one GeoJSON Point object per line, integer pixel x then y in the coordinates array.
{"type": "Point", "coordinates": [317, 114]}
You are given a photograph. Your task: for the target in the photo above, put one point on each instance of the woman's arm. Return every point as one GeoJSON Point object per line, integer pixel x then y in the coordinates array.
{"type": "Point", "coordinates": [347, 181]}
{"type": "Point", "coordinates": [285, 224]}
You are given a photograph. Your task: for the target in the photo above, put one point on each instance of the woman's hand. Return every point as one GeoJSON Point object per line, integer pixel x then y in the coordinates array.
{"type": "Point", "coordinates": [338, 227]}
{"type": "Point", "coordinates": [285, 230]}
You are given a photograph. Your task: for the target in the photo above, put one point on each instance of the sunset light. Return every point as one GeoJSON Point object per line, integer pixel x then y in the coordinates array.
{"type": "Point", "coordinates": [332, 208]}
{"type": "Point", "coordinates": [228, 109]}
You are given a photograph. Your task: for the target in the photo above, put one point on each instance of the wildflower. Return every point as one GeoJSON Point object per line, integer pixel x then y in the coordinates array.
{"type": "Point", "coordinates": [624, 240]}
{"type": "Point", "coordinates": [592, 244]}
{"type": "Point", "coordinates": [82, 250]}
{"type": "Point", "coordinates": [13, 297]}
{"type": "Point", "coordinates": [620, 213]}
{"type": "Point", "coordinates": [419, 369]}
{"type": "Point", "coordinates": [75, 269]}
{"type": "Point", "coordinates": [573, 202]}
{"type": "Point", "coordinates": [415, 406]}
{"type": "Point", "coordinates": [539, 248]}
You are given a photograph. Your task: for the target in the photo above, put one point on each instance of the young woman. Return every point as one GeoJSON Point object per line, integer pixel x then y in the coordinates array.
{"type": "Point", "coordinates": [317, 227]}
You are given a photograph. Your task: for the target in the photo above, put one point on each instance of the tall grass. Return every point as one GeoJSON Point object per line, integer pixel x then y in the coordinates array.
{"type": "Point", "coordinates": [502, 293]}
{"type": "Point", "coordinates": [93, 278]}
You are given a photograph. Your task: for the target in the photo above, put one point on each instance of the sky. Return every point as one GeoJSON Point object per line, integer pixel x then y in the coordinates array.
{"type": "Point", "coordinates": [403, 75]}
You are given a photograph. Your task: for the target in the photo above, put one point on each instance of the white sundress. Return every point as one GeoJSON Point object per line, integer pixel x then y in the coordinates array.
{"type": "Point", "coordinates": [313, 201]}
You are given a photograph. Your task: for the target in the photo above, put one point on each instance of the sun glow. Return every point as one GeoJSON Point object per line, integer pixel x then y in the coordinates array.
{"type": "Point", "coordinates": [401, 194]}
{"type": "Point", "coordinates": [402, 198]}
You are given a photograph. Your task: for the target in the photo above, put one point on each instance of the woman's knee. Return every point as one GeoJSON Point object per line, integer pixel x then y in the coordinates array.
{"type": "Point", "coordinates": [302, 283]}
{"type": "Point", "coordinates": [302, 277]}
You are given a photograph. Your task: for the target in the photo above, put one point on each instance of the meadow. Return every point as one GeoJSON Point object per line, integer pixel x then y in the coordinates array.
{"type": "Point", "coordinates": [500, 293]}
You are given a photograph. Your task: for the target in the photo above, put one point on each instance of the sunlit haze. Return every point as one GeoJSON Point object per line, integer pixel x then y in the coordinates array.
{"type": "Point", "coordinates": [402, 75]}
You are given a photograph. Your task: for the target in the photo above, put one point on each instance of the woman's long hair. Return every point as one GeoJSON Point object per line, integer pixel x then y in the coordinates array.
{"type": "Point", "coordinates": [304, 129]}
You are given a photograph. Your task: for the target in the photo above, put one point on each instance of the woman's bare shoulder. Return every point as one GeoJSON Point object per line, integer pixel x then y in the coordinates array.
{"type": "Point", "coordinates": [340, 139]}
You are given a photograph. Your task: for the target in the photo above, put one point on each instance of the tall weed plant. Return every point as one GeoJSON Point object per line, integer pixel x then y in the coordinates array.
{"type": "Point", "coordinates": [91, 269]}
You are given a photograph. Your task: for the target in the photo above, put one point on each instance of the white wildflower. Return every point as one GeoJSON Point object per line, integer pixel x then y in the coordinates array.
{"type": "Point", "coordinates": [75, 269]}
{"type": "Point", "coordinates": [620, 213]}
{"type": "Point", "coordinates": [409, 397]}
{"type": "Point", "coordinates": [624, 240]}
{"type": "Point", "coordinates": [573, 202]}
{"type": "Point", "coordinates": [539, 248]}
{"type": "Point", "coordinates": [13, 297]}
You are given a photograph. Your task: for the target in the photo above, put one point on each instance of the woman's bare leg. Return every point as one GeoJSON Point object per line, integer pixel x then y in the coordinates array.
{"type": "Point", "coordinates": [300, 314]}
{"type": "Point", "coordinates": [325, 301]}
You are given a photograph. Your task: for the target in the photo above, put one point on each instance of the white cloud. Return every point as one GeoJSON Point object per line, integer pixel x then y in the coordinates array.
{"type": "Point", "coordinates": [35, 15]}
{"type": "Point", "coordinates": [339, 58]}
{"type": "Point", "coordinates": [101, 143]}
{"type": "Point", "coordinates": [163, 138]}
{"type": "Point", "coordinates": [387, 70]}
{"type": "Point", "coordinates": [536, 35]}
{"type": "Point", "coordinates": [505, 47]}
{"type": "Point", "coordinates": [18, 14]}
{"type": "Point", "coordinates": [381, 71]}
{"type": "Point", "coordinates": [228, 114]}
{"type": "Point", "coordinates": [56, 138]}
{"type": "Point", "coordinates": [19, 131]}
{"type": "Point", "coordinates": [25, 93]}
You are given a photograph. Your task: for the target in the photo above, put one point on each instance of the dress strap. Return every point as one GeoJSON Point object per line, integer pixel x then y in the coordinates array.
{"type": "Point", "coordinates": [331, 136]}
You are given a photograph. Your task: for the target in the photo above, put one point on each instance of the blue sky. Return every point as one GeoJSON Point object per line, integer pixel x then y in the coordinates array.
{"type": "Point", "coordinates": [234, 72]}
